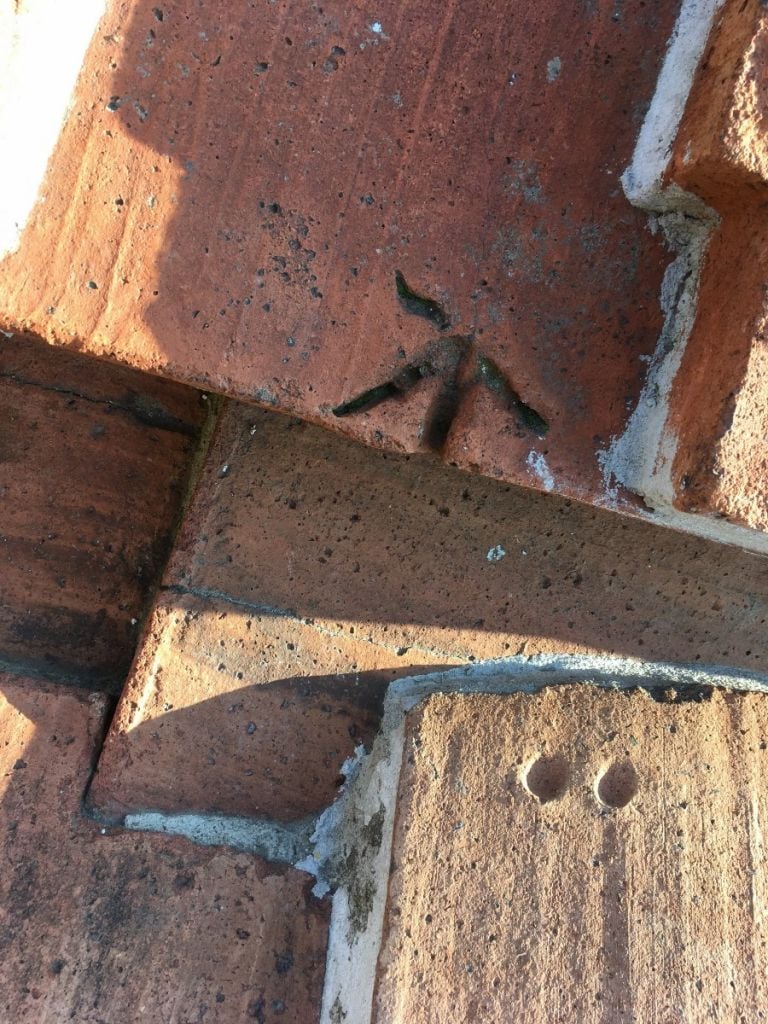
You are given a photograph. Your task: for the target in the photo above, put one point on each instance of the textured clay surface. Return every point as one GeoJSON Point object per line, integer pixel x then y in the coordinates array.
{"type": "Point", "coordinates": [296, 205]}
{"type": "Point", "coordinates": [309, 571]}
{"type": "Point", "coordinates": [131, 928]}
{"type": "Point", "coordinates": [579, 855]}
{"type": "Point", "coordinates": [260, 710]}
{"type": "Point", "coordinates": [720, 399]}
{"type": "Point", "coordinates": [93, 464]}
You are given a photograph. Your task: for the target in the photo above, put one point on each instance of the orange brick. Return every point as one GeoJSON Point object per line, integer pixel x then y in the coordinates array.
{"type": "Point", "coordinates": [310, 571]}
{"type": "Point", "coordinates": [129, 927]}
{"type": "Point", "coordinates": [578, 855]}
{"type": "Point", "coordinates": [234, 193]}
{"type": "Point", "coordinates": [720, 394]}
{"type": "Point", "coordinates": [93, 464]}
{"type": "Point", "coordinates": [261, 711]}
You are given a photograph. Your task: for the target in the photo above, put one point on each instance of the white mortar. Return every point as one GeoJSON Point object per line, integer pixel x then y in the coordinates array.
{"type": "Point", "coordinates": [641, 459]}
{"type": "Point", "coordinates": [275, 841]}
{"type": "Point", "coordinates": [643, 178]}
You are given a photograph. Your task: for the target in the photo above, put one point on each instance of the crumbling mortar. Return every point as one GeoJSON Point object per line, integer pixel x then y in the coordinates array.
{"type": "Point", "coordinates": [641, 459]}
{"type": "Point", "coordinates": [347, 848]}
{"type": "Point", "coordinates": [274, 841]}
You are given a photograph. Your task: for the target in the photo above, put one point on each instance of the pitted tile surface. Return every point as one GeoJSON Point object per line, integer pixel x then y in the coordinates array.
{"type": "Point", "coordinates": [579, 855]}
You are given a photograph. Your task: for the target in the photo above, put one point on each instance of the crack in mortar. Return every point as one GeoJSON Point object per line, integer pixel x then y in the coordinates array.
{"type": "Point", "coordinates": [147, 411]}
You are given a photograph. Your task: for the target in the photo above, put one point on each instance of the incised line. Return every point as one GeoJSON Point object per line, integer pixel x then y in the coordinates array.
{"type": "Point", "coordinates": [446, 358]}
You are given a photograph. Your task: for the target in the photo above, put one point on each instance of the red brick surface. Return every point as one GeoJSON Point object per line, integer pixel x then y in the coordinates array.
{"type": "Point", "coordinates": [127, 927]}
{"type": "Point", "coordinates": [93, 463]}
{"type": "Point", "coordinates": [404, 223]}
{"type": "Point", "coordinates": [309, 570]}
{"type": "Point", "coordinates": [578, 855]}
{"type": "Point", "coordinates": [719, 406]}
{"type": "Point", "coordinates": [236, 189]}
{"type": "Point", "coordinates": [260, 710]}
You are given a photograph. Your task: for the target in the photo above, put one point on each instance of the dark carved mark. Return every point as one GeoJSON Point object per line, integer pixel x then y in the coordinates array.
{"type": "Point", "coordinates": [444, 358]}
{"type": "Point", "coordinates": [403, 381]}
{"type": "Point", "coordinates": [367, 399]}
{"type": "Point", "coordinates": [420, 305]}
{"type": "Point", "coordinates": [453, 353]}
{"type": "Point", "coordinates": [439, 359]}
{"type": "Point", "coordinates": [490, 375]}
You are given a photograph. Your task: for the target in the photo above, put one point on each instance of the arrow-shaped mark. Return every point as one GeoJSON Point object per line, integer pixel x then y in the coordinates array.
{"type": "Point", "coordinates": [446, 358]}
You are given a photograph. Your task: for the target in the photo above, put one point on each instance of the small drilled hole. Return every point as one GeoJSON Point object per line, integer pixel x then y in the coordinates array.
{"type": "Point", "coordinates": [548, 778]}
{"type": "Point", "coordinates": [618, 784]}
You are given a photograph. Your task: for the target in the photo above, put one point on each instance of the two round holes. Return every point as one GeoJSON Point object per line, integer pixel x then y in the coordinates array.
{"type": "Point", "coordinates": [548, 778]}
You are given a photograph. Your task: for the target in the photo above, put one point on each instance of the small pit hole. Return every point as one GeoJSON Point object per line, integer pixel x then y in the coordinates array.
{"type": "Point", "coordinates": [618, 784]}
{"type": "Point", "coordinates": [548, 778]}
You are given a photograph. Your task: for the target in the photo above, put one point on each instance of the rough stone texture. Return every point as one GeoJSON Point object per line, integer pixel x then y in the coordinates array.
{"type": "Point", "coordinates": [308, 571]}
{"type": "Point", "coordinates": [720, 399]}
{"type": "Point", "coordinates": [128, 927]}
{"type": "Point", "coordinates": [241, 713]}
{"type": "Point", "coordinates": [236, 188]}
{"type": "Point", "coordinates": [579, 855]}
{"type": "Point", "coordinates": [93, 463]}
{"type": "Point", "coordinates": [720, 151]}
